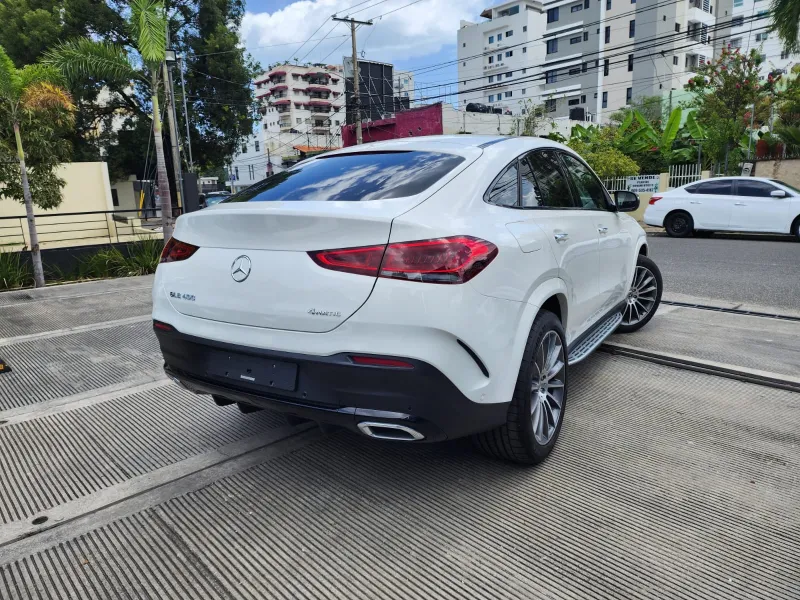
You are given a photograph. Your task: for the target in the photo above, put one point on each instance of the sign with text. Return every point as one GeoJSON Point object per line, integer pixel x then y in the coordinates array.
{"type": "Point", "coordinates": [643, 183]}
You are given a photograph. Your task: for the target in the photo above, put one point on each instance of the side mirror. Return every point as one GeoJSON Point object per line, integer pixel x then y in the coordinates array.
{"type": "Point", "coordinates": [626, 201]}
{"type": "Point", "coordinates": [778, 194]}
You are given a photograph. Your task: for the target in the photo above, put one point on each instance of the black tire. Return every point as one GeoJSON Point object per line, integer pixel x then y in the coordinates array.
{"type": "Point", "coordinates": [679, 224]}
{"type": "Point", "coordinates": [796, 228]}
{"type": "Point", "coordinates": [643, 261]}
{"type": "Point", "coordinates": [515, 440]}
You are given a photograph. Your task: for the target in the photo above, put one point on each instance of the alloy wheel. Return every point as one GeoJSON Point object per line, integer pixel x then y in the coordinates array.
{"type": "Point", "coordinates": [641, 297]}
{"type": "Point", "coordinates": [547, 387]}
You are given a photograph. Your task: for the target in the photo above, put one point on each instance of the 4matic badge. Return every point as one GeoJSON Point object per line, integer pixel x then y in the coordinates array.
{"type": "Point", "coordinates": [324, 313]}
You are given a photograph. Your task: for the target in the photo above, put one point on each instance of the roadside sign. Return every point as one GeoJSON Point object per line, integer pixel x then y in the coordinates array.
{"type": "Point", "coordinates": [4, 367]}
{"type": "Point", "coordinates": [643, 184]}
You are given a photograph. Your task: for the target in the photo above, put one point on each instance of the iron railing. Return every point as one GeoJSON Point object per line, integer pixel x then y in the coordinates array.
{"type": "Point", "coordinates": [64, 230]}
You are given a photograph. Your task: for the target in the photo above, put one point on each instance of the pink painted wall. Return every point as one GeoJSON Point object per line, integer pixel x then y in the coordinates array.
{"type": "Point", "coordinates": [426, 120]}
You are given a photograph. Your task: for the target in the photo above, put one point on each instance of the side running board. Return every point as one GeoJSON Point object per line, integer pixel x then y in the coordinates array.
{"type": "Point", "coordinates": [588, 344]}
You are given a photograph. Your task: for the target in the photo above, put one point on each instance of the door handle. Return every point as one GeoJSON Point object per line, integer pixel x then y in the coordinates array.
{"type": "Point", "coordinates": [602, 229]}
{"type": "Point", "coordinates": [561, 237]}
{"type": "Point", "coordinates": [694, 202]}
{"type": "Point", "coordinates": [740, 204]}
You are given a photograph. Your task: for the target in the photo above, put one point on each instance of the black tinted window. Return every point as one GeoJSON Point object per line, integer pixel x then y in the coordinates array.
{"type": "Point", "coordinates": [754, 188]}
{"type": "Point", "coordinates": [505, 191]}
{"type": "Point", "coordinates": [354, 177]}
{"type": "Point", "coordinates": [591, 194]}
{"type": "Point", "coordinates": [553, 187]}
{"type": "Point", "coordinates": [721, 187]}
{"type": "Point", "coordinates": [531, 196]}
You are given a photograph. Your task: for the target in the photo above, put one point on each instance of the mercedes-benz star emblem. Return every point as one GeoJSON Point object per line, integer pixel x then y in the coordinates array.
{"type": "Point", "coordinates": [240, 269]}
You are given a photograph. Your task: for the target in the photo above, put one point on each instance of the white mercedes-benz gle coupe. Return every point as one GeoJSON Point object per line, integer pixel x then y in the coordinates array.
{"type": "Point", "coordinates": [418, 289]}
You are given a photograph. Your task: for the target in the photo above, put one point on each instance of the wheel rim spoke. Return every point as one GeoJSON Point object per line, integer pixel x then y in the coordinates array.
{"type": "Point", "coordinates": [642, 296]}
{"type": "Point", "coordinates": [547, 388]}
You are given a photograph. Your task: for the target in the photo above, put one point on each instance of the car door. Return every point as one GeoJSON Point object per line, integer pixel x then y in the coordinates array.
{"type": "Point", "coordinates": [754, 209]}
{"type": "Point", "coordinates": [615, 238]}
{"type": "Point", "coordinates": [570, 232]}
{"type": "Point", "coordinates": [710, 204]}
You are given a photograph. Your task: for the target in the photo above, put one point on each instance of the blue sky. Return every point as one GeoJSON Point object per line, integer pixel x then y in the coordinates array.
{"type": "Point", "coordinates": [410, 38]}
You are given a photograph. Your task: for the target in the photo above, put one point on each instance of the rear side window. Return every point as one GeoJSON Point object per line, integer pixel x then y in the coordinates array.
{"type": "Point", "coordinates": [354, 177]}
{"type": "Point", "coordinates": [720, 187]}
{"type": "Point", "coordinates": [505, 191]}
{"type": "Point", "coordinates": [552, 187]}
{"type": "Point", "coordinates": [754, 188]}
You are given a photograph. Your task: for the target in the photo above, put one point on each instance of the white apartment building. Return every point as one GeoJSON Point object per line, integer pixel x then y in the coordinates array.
{"type": "Point", "coordinates": [495, 65]}
{"type": "Point", "coordinates": [747, 33]}
{"type": "Point", "coordinates": [404, 85]}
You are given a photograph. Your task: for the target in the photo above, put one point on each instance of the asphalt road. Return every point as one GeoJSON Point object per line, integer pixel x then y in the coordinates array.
{"type": "Point", "coordinates": [745, 269]}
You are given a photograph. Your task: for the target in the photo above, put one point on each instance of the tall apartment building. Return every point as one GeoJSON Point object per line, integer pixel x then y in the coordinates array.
{"type": "Point", "coordinates": [299, 99]}
{"type": "Point", "coordinates": [747, 33]}
{"type": "Point", "coordinates": [496, 65]}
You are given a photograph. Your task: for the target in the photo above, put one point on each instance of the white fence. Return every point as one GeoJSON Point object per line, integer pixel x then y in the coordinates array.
{"type": "Point", "coordinates": [683, 174]}
{"type": "Point", "coordinates": [616, 183]}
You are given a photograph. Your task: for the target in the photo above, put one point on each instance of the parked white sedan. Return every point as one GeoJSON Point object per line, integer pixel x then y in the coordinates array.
{"type": "Point", "coordinates": [754, 204]}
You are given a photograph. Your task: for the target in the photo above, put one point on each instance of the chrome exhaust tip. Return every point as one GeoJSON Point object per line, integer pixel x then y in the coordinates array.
{"type": "Point", "coordinates": [390, 431]}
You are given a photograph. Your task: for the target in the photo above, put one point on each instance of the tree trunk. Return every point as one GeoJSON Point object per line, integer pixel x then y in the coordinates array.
{"type": "Point", "coordinates": [36, 255]}
{"type": "Point", "coordinates": [164, 196]}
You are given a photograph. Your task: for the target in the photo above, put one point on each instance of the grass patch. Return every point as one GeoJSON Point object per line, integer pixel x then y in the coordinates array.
{"type": "Point", "coordinates": [14, 272]}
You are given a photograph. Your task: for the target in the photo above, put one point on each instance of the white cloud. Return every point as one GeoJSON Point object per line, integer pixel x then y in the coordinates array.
{"type": "Point", "coordinates": [414, 31]}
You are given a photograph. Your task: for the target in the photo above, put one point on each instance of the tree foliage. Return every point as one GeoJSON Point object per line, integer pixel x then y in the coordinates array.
{"type": "Point", "coordinates": [786, 23]}
{"type": "Point", "coordinates": [598, 147]}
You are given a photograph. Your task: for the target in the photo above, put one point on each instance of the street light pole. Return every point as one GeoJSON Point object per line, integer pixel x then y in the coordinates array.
{"type": "Point", "coordinates": [186, 118]}
{"type": "Point", "coordinates": [356, 92]}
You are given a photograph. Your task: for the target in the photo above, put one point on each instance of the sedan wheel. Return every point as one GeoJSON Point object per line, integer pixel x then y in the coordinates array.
{"type": "Point", "coordinates": [547, 388]}
{"type": "Point", "coordinates": [679, 224]}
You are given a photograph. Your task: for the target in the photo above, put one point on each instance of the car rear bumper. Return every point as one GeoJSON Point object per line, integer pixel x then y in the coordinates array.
{"type": "Point", "coordinates": [653, 218]}
{"type": "Point", "coordinates": [332, 389]}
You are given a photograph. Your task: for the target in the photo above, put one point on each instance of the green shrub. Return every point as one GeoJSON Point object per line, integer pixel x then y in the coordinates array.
{"type": "Point", "coordinates": [14, 272]}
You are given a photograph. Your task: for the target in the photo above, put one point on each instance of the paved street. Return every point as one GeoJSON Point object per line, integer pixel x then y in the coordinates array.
{"type": "Point", "coordinates": [117, 483]}
{"type": "Point", "coordinates": [762, 271]}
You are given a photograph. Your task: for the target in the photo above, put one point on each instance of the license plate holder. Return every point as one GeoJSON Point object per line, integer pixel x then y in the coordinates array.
{"type": "Point", "coordinates": [253, 371]}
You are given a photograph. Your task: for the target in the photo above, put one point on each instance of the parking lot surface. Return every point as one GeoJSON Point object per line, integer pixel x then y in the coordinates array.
{"type": "Point", "coordinates": [116, 483]}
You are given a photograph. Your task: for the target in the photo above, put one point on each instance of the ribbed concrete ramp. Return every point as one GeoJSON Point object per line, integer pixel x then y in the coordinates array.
{"type": "Point", "coordinates": [664, 484]}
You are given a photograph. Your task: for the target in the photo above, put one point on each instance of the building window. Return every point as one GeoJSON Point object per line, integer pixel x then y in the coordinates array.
{"type": "Point", "coordinates": [523, 91]}
{"type": "Point", "coordinates": [337, 123]}
{"type": "Point", "coordinates": [550, 76]}
{"type": "Point", "coordinates": [584, 67]}
{"type": "Point", "coordinates": [586, 4]}
{"type": "Point", "coordinates": [509, 53]}
{"type": "Point", "coordinates": [633, 1]}
{"type": "Point", "coordinates": [524, 49]}
{"type": "Point", "coordinates": [761, 37]}
{"type": "Point", "coordinates": [509, 33]}
{"type": "Point", "coordinates": [738, 3]}
{"type": "Point", "coordinates": [575, 8]}
{"type": "Point", "coordinates": [244, 149]}
{"type": "Point", "coordinates": [574, 102]}
{"type": "Point", "coordinates": [552, 46]}
{"type": "Point", "coordinates": [500, 57]}
{"type": "Point", "coordinates": [463, 64]}
{"type": "Point", "coordinates": [575, 71]}
{"type": "Point", "coordinates": [785, 54]}
{"type": "Point", "coordinates": [299, 120]}
{"type": "Point", "coordinates": [606, 64]}
{"type": "Point", "coordinates": [508, 94]}
{"type": "Point", "coordinates": [236, 171]}
{"type": "Point", "coordinates": [251, 171]}
{"type": "Point", "coordinates": [552, 15]}
{"type": "Point", "coordinates": [524, 71]}
{"type": "Point", "coordinates": [677, 26]}
{"type": "Point", "coordinates": [491, 97]}
{"type": "Point", "coordinates": [608, 4]}
{"type": "Point", "coordinates": [491, 78]}
{"type": "Point", "coordinates": [491, 39]}
{"type": "Point", "coordinates": [499, 36]}
{"type": "Point", "coordinates": [631, 29]}
{"type": "Point", "coordinates": [674, 60]}
{"type": "Point", "coordinates": [464, 45]}
{"type": "Point", "coordinates": [605, 99]}
{"type": "Point", "coordinates": [550, 105]}
{"type": "Point", "coordinates": [524, 28]}
{"type": "Point", "coordinates": [575, 40]}
{"type": "Point", "coordinates": [736, 43]}
{"type": "Point", "coordinates": [608, 34]}
{"type": "Point", "coordinates": [630, 62]}
{"type": "Point", "coordinates": [628, 95]}
{"type": "Point", "coordinates": [491, 60]}
{"type": "Point", "coordinates": [583, 98]}
{"type": "Point", "coordinates": [257, 146]}
{"type": "Point", "coordinates": [585, 36]}
{"type": "Point", "coordinates": [737, 21]}
{"type": "Point", "coordinates": [114, 197]}
{"type": "Point", "coordinates": [509, 74]}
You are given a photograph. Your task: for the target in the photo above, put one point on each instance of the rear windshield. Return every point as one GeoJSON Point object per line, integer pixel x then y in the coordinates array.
{"type": "Point", "coordinates": [354, 177]}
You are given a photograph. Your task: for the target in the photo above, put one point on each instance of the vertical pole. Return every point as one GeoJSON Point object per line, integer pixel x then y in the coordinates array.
{"type": "Point", "coordinates": [186, 118]}
{"type": "Point", "coordinates": [173, 130]}
{"type": "Point", "coordinates": [750, 133]}
{"type": "Point", "coordinates": [356, 93]}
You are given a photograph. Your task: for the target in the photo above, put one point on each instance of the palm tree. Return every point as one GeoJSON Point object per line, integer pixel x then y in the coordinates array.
{"type": "Point", "coordinates": [87, 58]}
{"type": "Point", "coordinates": [33, 93]}
{"type": "Point", "coordinates": [786, 22]}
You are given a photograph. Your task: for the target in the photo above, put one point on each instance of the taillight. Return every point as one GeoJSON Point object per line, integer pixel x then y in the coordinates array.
{"type": "Point", "coordinates": [455, 259]}
{"type": "Point", "coordinates": [176, 250]}
{"type": "Point", "coordinates": [162, 326]}
{"type": "Point", "coordinates": [655, 199]}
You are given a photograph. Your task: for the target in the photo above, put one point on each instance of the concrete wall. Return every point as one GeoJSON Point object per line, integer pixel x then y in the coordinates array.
{"type": "Point", "coordinates": [787, 171]}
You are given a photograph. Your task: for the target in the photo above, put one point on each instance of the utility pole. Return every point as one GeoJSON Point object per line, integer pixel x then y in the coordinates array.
{"type": "Point", "coordinates": [356, 97]}
{"type": "Point", "coordinates": [186, 119]}
{"type": "Point", "coordinates": [173, 129]}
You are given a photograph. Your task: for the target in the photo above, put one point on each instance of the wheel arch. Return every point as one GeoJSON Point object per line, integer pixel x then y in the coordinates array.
{"type": "Point", "coordinates": [794, 228]}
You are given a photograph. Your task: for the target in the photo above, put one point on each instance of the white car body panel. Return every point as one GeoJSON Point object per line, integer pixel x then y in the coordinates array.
{"type": "Point", "coordinates": [492, 313]}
